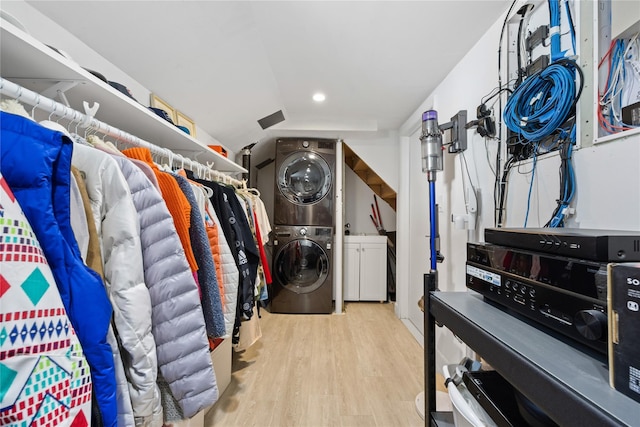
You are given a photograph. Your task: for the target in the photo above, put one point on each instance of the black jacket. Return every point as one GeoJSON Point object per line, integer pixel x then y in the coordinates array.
{"type": "Point", "coordinates": [243, 247]}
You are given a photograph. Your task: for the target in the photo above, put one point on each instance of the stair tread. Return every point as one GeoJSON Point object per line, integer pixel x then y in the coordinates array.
{"type": "Point", "coordinates": [372, 179]}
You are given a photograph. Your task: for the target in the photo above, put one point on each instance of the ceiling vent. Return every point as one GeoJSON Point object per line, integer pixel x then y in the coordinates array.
{"type": "Point", "coordinates": [271, 119]}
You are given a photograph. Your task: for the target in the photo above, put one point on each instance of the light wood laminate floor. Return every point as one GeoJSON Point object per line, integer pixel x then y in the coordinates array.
{"type": "Point", "coordinates": [362, 368]}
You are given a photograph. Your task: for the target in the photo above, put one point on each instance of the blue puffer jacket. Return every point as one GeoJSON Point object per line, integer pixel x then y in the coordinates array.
{"type": "Point", "coordinates": [36, 163]}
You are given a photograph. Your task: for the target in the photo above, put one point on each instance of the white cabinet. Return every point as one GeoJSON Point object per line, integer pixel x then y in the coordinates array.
{"type": "Point", "coordinates": [365, 268]}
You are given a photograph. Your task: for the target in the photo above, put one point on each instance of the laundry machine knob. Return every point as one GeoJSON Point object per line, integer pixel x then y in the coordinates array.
{"type": "Point", "coordinates": [305, 144]}
{"type": "Point", "coordinates": [303, 231]}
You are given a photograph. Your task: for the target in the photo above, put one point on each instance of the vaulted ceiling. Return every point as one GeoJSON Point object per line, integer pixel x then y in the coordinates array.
{"type": "Point", "coordinates": [227, 64]}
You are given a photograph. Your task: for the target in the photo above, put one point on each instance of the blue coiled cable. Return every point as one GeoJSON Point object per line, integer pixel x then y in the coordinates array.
{"type": "Point", "coordinates": [543, 102]}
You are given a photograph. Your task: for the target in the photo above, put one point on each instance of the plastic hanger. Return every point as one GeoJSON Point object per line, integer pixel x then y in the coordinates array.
{"type": "Point", "coordinates": [208, 191]}
{"type": "Point", "coordinates": [72, 121]}
{"type": "Point", "coordinates": [56, 126]}
{"type": "Point", "coordinates": [169, 157]}
{"type": "Point", "coordinates": [33, 110]}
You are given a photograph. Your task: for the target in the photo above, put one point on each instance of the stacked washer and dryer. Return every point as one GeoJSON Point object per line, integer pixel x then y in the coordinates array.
{"type": "Point", "coordinates": [303, 231]}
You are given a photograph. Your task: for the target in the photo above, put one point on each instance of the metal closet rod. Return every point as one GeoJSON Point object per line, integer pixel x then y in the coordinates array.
{"type": "Point", "coordinates": [36, 100]}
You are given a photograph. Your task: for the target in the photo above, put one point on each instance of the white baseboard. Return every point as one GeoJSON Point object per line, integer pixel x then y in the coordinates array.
{"type": "Point", "coordinates": [414, 331]}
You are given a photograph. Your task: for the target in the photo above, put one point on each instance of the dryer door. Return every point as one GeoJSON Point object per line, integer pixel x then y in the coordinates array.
{"type": "Point", "coordinates": [301, 266]}
{"type": "Point", "coordinates": [304, 178]}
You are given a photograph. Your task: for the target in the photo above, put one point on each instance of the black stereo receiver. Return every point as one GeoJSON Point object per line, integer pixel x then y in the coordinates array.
{"type": "Point", "coordinates": [595, 245]}
{"type": "Point", "coordinates": [566, 294]}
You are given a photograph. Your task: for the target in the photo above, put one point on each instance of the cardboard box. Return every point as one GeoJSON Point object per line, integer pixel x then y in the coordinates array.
{"type": "Point", "coordinates": [623, 298]}
{"type": "Point", "coordinates": [221, 359]}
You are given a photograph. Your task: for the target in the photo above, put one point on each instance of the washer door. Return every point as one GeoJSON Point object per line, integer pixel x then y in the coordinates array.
{"type": "Point", "coordinates": [302, 266]}
{"type": "Point", "coordinates": [304, 178]}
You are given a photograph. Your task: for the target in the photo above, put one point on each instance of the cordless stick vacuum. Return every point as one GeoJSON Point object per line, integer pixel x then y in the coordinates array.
{"type": "Point", "coordinates": [431, 143]}
{"type": "Point", "coordinates": [432, 162]}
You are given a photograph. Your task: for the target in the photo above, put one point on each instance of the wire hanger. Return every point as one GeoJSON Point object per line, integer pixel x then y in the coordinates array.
{"type": "Point", "coordinates": [72, 120]}
{"type": "Point", "coordinates": [55, 108]}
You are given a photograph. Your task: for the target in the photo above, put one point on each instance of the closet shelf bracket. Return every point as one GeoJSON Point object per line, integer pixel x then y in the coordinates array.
{"type": "Point", "coordinates": [51, 88]}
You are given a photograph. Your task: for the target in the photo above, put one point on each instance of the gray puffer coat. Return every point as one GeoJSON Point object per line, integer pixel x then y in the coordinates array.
{"type": "Point", "coordinates": [177, 320]}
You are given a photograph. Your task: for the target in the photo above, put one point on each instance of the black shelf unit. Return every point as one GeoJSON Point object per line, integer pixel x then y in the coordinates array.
{"type": "Point", "coordinates": [570, 384]}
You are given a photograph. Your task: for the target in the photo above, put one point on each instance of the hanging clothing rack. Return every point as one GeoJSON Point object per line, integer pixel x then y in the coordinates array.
{"type": "Point", "coordinates": [87, 121]}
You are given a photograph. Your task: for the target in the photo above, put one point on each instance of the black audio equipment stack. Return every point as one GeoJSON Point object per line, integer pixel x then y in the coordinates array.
{"type": "Point", "coordinates": [556, 277]}
{"type": "Point", "coordinates": [595, 245]}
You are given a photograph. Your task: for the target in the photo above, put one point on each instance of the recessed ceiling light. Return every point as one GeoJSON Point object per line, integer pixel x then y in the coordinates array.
{"type": "Point", "coordinates": [319, 97]}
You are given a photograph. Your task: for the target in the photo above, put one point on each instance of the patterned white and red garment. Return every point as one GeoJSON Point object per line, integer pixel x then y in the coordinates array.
{"type": "Point", "coordinates": [44, 376]}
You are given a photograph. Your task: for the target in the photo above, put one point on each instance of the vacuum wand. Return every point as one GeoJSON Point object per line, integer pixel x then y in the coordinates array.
{"type": "Point", "coordinates": [431, 142]}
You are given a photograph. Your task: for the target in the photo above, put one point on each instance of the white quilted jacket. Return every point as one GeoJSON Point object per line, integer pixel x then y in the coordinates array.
{"type": "Point", "coordinates": [230, 275]}
{"type": "Point", "coordinates": [115, 218]}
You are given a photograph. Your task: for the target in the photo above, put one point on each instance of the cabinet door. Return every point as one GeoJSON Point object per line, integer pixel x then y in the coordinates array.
{"type": "Point", "coordinates": [351, 265]}
{"type": "Point", "coordinates": [373, 272]}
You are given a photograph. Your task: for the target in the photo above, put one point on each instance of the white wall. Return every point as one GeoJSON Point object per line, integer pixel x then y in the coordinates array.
{"type": "Point", "coordinates": [380, 153]}
{"type": "Point", "coordinates": [608, 188]}
{"type": "Point", "coordinates": [357, 206]}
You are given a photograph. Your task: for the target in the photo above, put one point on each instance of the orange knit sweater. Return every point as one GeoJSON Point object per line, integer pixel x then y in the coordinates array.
{"type": "Point", "coordinates": [175, 199]}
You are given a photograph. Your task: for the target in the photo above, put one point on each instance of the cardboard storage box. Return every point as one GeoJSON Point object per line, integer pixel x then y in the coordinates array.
{"type": "Point", "coordinates": [623, 298]}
